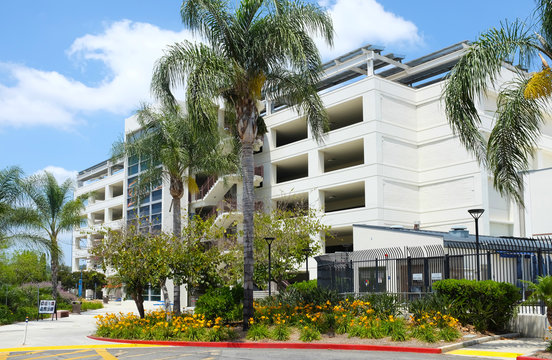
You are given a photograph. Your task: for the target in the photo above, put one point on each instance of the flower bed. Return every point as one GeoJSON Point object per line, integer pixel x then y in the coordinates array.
{"type": "Point", "coordinates": [355, 318]}
{"type": "Point", "coordinates": [158, 325]}
{"type": "Point", "coordinates": [281, 322]}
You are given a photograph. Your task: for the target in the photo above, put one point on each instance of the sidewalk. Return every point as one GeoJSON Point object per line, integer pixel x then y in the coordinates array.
{"type": "Point", "coordinates": [502, 349]}
{"type": "Point", "coordinates": [68, 331]}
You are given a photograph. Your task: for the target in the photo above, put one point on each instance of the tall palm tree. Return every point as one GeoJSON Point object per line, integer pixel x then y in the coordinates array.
{"type": "Point", "coordinates": [169, 138]}
{"type": "Point", "coordinates": [519, 116]}
{"type": "Point", "coordinates": [9, 191]}
{"type": "Point", "coordinates": [50, 211]}
{"type": "Point", "coordinates": [255, 48]}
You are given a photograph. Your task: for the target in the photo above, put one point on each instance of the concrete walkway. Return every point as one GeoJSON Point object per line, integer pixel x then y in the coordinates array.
{"type": "Point", "coordinates": [68, 331]}
{"type": "Point", "coordinates": [503, 348]}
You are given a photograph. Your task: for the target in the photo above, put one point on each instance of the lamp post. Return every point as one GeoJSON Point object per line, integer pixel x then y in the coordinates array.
{"type": "Point", "coordinates": [307, 252]}
{"type": "Point", "coordinates": [476, 214]}
{"type": "Point", "coordinates": [269, 241]}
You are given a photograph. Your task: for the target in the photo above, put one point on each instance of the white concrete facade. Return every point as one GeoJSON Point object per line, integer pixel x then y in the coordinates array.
{"type": "Point", "coordinates": [390, 157]}
{"type": "Point", "coordinates": [104, 208]}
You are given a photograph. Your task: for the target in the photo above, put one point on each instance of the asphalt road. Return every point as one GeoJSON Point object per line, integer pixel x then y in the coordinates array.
{"type": "Point", "coordinates": [168, 353]}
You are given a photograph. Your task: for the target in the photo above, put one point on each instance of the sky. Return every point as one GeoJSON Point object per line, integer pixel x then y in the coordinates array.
{"type": "Point", "coordinates": [72, 71]}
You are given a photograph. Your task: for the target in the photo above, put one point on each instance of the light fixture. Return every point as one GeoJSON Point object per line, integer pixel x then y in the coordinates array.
{"type": "Point", "coordinates": [476, 214]}
{"type": "Point", "coordinates": [269, 241]}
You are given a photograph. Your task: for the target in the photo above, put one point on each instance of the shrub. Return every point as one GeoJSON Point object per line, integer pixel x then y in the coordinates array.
{"type": "Point", "coordinates": [257, 332]}
{"type": "Point", "coordinates": [280, 332]}
{"type": "Point", "coordinates": [6, 315]}
{"type": "Point", "coordinates": [91, 305]}
{"type": "Point", "coordinates": [449, 334]}
{"type": "Point", "coordinates": [384, 304]}
{"type": "Point", "coordinates": [304, 294]}
{"type": "Point", "coordinates": [431, 303]}
{"type": "Point", "coordinates": [488, 305]}
{"type": "Point", "coordinates": [395, 328]}
{"type": "Point", "coordinates": [308, 334]}
{"type": "Point", "coordinates": [424, 333]}
{"type": "Point", "coordinates": [221, 302]}
{"type": "Point", "coordinates": [304, 286]}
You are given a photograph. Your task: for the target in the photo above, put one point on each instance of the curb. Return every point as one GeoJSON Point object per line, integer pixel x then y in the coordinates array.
{"type": "Point", "coordinates": [523, 357]}
{"type": "Point", "coordinates": [279, 345]}
{"type": "Point", "coordinates": [480, 340]}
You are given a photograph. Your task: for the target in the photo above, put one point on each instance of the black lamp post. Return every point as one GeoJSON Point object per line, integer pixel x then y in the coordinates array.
{"type": "Point", "coordinates": [476, 214]}
{"type": "Point", "coordinates": [269, 241]}
{"type": "Point", "coordinates": [307, 252]}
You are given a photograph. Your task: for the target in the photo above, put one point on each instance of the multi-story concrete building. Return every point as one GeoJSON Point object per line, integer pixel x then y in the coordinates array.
{"type": "Point", "coordinates": [389, 158]}
{"type": "Point", "coordinates": [104, 208]}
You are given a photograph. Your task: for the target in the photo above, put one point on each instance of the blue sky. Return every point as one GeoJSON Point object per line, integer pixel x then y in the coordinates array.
{"type": "Point", "coordinates": [72, 71]}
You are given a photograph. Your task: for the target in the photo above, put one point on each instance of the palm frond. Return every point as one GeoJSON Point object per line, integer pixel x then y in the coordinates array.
{"type": "Point", "coordinates": [475, 71]}
{"type": "Point", "coordinates": [513, 138]}
{"type": "Point", "coordinates": [540, 84]}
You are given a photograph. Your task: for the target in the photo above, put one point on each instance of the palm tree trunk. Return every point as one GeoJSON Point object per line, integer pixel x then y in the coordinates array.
{"type": "Point", "coordinates": [248, 196]}
{"type": "Point", "coordinates": [177, 231]}
{"type": "Point", "coordinates": [54, 264]}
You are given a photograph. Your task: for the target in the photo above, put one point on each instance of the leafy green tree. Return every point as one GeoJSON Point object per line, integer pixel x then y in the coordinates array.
{"type": "Point", "coordinates": [51, 210]}
{"type": "Point", "coordinates": [252, 49]}
{"type": "Point", "coordinates": [70, 280]}
{"type": "Point", "coordinates": [197, 260]}
{"type": "Point", "coordinates": [140, 258]}
{"type": "Point", "coordinates": [293, 231]}
{"type": "Point", "coordinates": [168, 138]}
{"type": "Point", "coordinates": [519, 117]}
{"type": "Point", "coordinates": [28, 266]}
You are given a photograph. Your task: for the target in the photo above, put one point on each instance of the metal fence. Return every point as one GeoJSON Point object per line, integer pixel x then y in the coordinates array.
{"type": "Point", "coordinates": [413, 270]}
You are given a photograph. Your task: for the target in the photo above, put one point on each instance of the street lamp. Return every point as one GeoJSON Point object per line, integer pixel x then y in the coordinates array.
{"type": "Point", "coordinates": [307, 252]}
{"type": "Point", "coordinates": [269, 241]}
{"type": "Point", "coordinates": [476, 214]}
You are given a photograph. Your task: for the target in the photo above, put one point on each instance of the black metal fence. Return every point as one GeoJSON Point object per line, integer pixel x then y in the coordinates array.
{"type": "Point", "coordinates": [413, 270]}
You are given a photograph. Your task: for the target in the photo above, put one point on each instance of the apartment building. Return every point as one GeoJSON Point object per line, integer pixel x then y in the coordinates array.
{"type": "Point", "coordinates": [389, 158]}
{"type": "Point", "coordinates": [104, 182]}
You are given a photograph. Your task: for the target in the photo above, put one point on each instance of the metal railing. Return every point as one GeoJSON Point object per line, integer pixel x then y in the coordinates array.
{"type": "Point", "coordinates": [413, 270]}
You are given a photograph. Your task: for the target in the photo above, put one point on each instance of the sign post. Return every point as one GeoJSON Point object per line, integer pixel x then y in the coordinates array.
{"type": "Point", "coordinates": [47, 307]}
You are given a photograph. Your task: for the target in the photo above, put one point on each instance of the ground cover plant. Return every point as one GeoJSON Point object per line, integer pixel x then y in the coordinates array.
{"type": "Point", "coordinates": [160, 325]}
{"type": "Point", "coordinates": [354, 317]}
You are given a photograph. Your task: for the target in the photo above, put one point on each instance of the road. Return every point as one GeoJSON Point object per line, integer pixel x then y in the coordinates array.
{"type": "Point", "coordinates": [192, 353]}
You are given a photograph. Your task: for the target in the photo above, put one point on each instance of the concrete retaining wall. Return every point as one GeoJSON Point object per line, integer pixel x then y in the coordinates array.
{"type": "Point", "coordinates": [534, 326]}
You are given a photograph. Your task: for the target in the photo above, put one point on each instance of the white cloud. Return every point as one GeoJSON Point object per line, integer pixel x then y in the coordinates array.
{"type": "Point", "coordinates": [362, 22]}
{"type": "Point", "coordinates": [126, 49]}
{"type": "Point", "coordinates": [59, 173]}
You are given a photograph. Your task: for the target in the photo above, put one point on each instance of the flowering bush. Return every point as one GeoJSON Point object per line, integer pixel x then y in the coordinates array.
{"type": "Point", "coordinates": [157, 325]}
{"type": "Point", "coordinates": [357, 318]}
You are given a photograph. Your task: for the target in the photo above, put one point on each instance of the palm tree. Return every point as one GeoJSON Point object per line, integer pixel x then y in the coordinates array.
{"type": "Point", "coordinates": [253, 49]}
{"type": "Point", "coordinates": [9, 191]}
{"type": "Point", "coordinates": [169, 138]}
{"type": "Point", "coordinates": [51, 210]}
{"type": "Point", "coordinates": [519, 116]}
{"type": "Point", "coordinates": [542, 291]}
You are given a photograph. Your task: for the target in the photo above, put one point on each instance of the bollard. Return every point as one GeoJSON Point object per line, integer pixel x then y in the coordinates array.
{"type": "Point", "coordinates": [26, 324]}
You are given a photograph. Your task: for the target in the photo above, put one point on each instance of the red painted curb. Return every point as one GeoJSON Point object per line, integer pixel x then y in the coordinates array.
{"type": "Point", "coordinates": [527, 358]}
{"type": "Point", "coordinates": [279, 345]}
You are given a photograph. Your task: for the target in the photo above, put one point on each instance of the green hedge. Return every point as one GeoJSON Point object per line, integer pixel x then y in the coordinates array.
{"type": "Point", "coordinates": [221, 302]}
{"type": "Point", "coordinates": [488, 305]}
